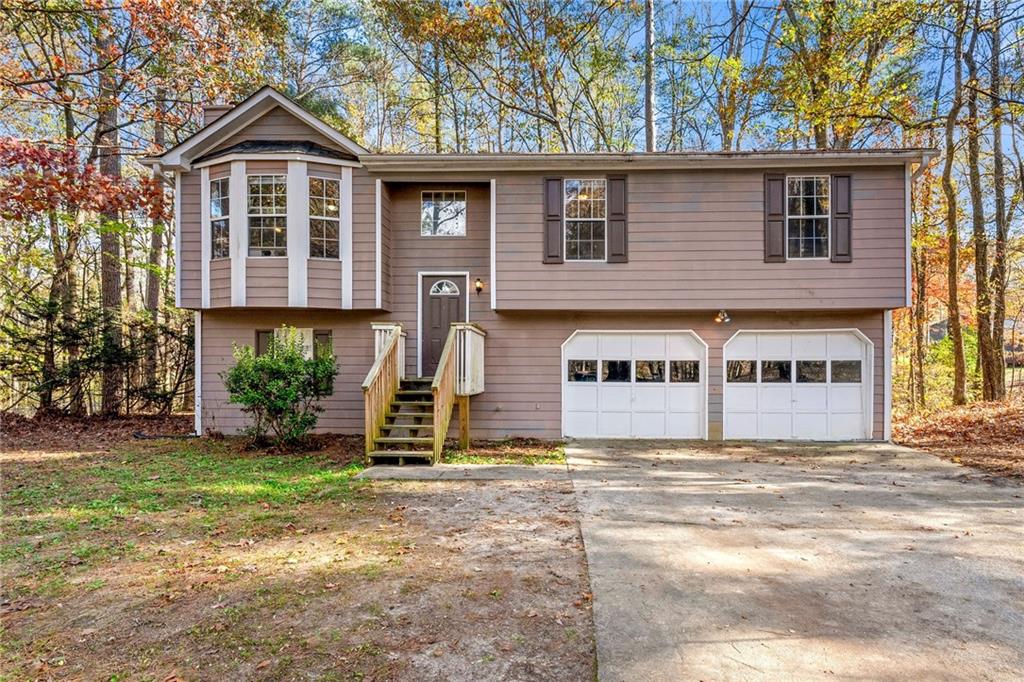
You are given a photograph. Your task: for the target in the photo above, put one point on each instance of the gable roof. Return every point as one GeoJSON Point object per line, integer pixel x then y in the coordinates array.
{"type": "Point", "coordinates": [245, 112]}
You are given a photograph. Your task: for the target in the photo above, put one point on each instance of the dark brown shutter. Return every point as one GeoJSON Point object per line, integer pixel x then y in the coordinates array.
{"type": "Point", "coordinates": [618, 246]}
{"type": "Point", "coordinates": [553, 203]}
{"type": "Point", "coordinates": [774, 218]}
{"type": "Point", "coordinates": [842, 219]}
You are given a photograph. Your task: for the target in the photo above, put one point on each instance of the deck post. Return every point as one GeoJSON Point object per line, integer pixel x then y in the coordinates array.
{"type": "Point", "coordinates": [464, 422]}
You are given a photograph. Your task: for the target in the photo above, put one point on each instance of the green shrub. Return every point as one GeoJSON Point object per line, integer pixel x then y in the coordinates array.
{"type": "Point", "coordinates": [281, 388]}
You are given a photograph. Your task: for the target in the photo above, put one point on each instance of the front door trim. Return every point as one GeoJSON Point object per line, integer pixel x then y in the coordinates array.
{"type": "Point", "coordinates": [419, 307]}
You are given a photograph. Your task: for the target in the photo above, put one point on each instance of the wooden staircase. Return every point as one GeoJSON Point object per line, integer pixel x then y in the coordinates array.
{"type": "Point", "coordinates": [407, 434]}
{"type": "Point", "coordinates": [407, 419]}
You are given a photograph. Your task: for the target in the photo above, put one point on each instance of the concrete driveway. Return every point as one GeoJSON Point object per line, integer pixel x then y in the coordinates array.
{"type": "Point", "coordinates": [715, 562]}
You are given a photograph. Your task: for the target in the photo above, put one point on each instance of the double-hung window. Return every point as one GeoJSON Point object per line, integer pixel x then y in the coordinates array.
{"type": "Point", "coordinates": [324, 217]}
{"type": "Point", "coordinates": [268, 215]}
{"type": "Point", "coordinates": [586, 219]}
{"type": "Point", "coordinates": [443, 214]}
{"type": "Point", "coordinates": [807, 216]}
{"type": "Point", "coordinates": [220, 221]}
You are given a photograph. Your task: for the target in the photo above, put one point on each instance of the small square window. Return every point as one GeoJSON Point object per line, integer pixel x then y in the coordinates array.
{"type": "Point", "coordinates": [684, 371]}
{"type": "Point", "coordinates": [443, 214]}
{"type": "Point", "coordinates": [776, 371]}
{"type": "Point", "coordinates": [810, 371]}
{"type": "Point", "coordinates": [650, 371]}
{"type": "Point", "coordinates": [583, 370]}
{"type": "Point", "coordinates": [846, 371]}
{"type": "Point", "coordinates": [741, 371]}
{"type": "Point", "coordinates": [615, 371]}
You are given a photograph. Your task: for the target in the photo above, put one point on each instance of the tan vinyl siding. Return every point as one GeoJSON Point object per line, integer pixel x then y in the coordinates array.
{"type": "Point", "coordinates": [220, 282]}
{"type": "Point", "coordinates": [696, 242]}
{"type": "Point", "coordinates": [324, 283]}
{"type": "Point", "coordinates": [363, 239]}
{"type": "Point", "coordinates": [191, 256]}
{"type": "Point", "coordinates": [266, 282]}
{"type": "Point", "coordinates": [277, 124]}
{"type": "Point", "coordinates": [523, 368]}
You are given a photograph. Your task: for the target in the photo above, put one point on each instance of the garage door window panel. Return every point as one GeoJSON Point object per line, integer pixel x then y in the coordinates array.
{"type": "Point", "coordinates": [741, 372]}
{"type": "Point", "coordinates": [583, 371]}
{"type": "Point", "coordinates": [810, 371]}
{"type": "Point", "coordinates": [776, 371]}
{"type": "Point", "coordinates": [615, 371]}
{"type": "Point", "coordinates": [684, 371]}
{"type": "Point", "coordinates": [846, 372]}
{"type": "Point", "coordinates": [650, 371]}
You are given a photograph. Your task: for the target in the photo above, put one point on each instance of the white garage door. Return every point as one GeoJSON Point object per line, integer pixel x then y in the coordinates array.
{"type": "Point", "coordinates": [802, 386]}
{"type": "Point", "coordinates": [634, 385]}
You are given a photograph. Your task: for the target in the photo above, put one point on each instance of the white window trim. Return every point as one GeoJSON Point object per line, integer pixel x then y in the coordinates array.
{"type": "Point", "coordinates": [465, 200]}
{"type": "Point", "coordinates": [310, 217]}
{"type": "Point", "coordinates": [248, 216]}
{"type": "Point", "coordinates": [566, 219]}
{"type": "Point", "coordinates": [704, 374]}
{"type": "Point", "coordinates": [828, 218]}
{"type": "Point", "coordinates": [297, 235]}
{"type": "Point", "coordinates": [419, 307]}
{"type": "Point", "coordinates": [227, 217]}
{"type": "Point", "coordinates": [239, 233]}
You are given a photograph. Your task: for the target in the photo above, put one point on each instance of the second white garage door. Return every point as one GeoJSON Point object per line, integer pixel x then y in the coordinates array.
{"type": "Point", "coordinates": [799, 386]}
{"type": "Point", "coordinates": [634, 385]}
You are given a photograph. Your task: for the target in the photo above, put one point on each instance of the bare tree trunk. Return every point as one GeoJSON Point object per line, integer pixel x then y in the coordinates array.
{"type": "Point", "coordinates": [952, 233]}
{"type": "Point", "coordinates": [156, 242]}
{"type": "Point", "coordinates": [108, 141]}
{"type": "Point", "coordinates": [983, 307]}
{"type": "Point", "coordinates": [997, 282]}
{"type": "Point", "coordinates": [649, 131]}
{"type": "Point", "coordinates": [437, 98]}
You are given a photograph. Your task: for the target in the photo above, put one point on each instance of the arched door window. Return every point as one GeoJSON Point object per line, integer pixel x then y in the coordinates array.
{"type": "Point", "coordinates": [444, 287]}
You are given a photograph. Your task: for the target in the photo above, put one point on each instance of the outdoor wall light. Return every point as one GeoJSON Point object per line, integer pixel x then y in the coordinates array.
{"type": "Point", "coordinates": [722, 316]}
{"type": "Point", "coordinates": [479, 285]}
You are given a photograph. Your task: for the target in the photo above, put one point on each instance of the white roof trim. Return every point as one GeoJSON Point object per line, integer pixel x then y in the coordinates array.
{"type": "Point", "coordinates": [253, 107]}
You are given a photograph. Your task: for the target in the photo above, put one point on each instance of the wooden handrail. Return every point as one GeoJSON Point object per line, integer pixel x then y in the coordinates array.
{"type": "Point", "coordinates": [380, 386]}
{"type": "Point", "coordinates": [443, 389]}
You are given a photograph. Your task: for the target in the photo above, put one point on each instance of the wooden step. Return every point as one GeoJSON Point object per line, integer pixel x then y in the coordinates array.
{"type": "Point", "coordinates": [427, 416]}
{"type": "Point", "coordinates": [417, 403]}
{"type": "Point", "coordinates": [403, 440]}
{"type": "Point", "coordinates": [411, 392]}
{"type": "Point", "coordinates": [401, 457]}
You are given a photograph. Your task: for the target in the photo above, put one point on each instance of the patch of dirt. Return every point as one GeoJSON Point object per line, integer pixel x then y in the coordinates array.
{"type": "Point", "coordinates": [400, 581]}
{"type": "Point", "coordinates": [57, 433]}
{"type": "Point", "coordinates": [988, 436]}
{"type": "Point", "coordinates": [509, 451]}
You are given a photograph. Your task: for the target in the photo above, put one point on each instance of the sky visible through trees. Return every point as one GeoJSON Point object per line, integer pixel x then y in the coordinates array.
{"type": "Point", "coordinates": [86, 309]}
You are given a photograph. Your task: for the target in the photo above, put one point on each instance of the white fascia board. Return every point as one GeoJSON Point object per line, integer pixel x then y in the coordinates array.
{"type": "Point", "coordinates": [297, 235]}
{"type": "Point", "coordinates": [277, 156]}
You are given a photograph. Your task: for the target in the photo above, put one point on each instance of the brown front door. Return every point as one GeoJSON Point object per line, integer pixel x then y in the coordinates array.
{"type": "Point", "coordinates": [444, 302]}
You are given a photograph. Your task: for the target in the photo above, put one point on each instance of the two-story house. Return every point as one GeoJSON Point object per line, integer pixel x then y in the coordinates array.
{"type": "Point", "coordinates": [741, 295]}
